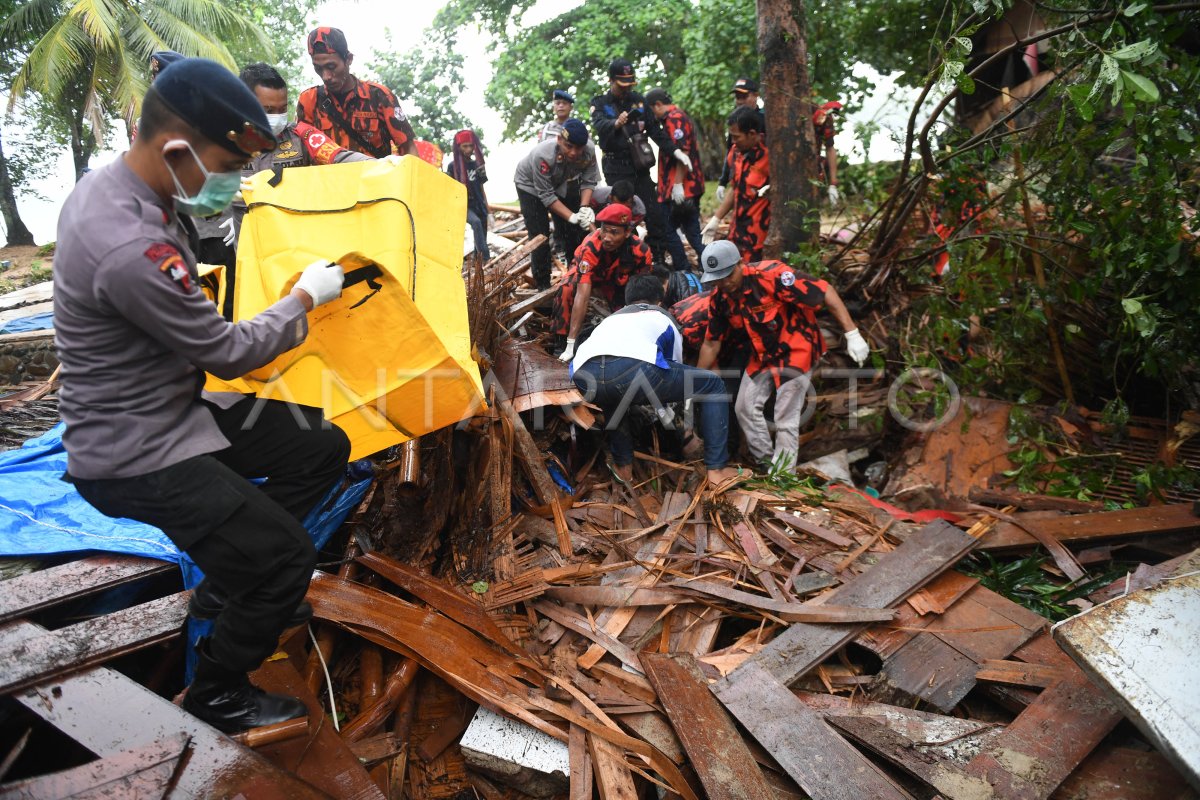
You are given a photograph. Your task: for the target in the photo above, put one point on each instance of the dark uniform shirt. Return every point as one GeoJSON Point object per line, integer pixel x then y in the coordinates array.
{"type": "Point", "coordinates": [135, 333]}
{"type": "Point", "coordinates": [751, 171]}
{"type": "Point", "coordinates": [775, 308]}
{"type": "Point", "coordinates": [602, 198]}
{"type": "Point", "coordinates": [369, 108]}
{"type": "Point", "coordinates": [679, 129]}
{"type": "Point", "coordinates": [300, 145]}
{"type": "Point", "coordinates": [606, 272]}
{"type": "Point", "coordinates": [614, 141]}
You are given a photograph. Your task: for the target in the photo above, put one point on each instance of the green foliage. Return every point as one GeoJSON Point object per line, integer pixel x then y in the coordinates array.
{"type": "Point", "coordinates": [428, 83]}
{"type": "Point", "coordinates": [782, 480]}
{"type": "Point", "coordinates": [1024, 581]}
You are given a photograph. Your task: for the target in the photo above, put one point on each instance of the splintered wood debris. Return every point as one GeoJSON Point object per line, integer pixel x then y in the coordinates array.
{"type": "Point", "coordinates": [485, 633]}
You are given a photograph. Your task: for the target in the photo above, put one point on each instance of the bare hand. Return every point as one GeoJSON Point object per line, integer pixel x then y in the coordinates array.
{"type": "Point", "coordinates": [622, 118]}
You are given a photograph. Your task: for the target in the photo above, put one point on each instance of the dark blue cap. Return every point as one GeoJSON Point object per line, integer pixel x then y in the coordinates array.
{"type": "Point", "coordinates": [215, 102]}
{"type": "Point", "coordinates": [574, 132]}
{"type": "Point", "coordinates": [562, 94]}
{"type": "Point", "coordinates": [161, 59]}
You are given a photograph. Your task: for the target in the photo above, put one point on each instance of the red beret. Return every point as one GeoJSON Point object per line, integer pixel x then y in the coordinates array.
{"type": "Point", "coordinates": [615, 214]}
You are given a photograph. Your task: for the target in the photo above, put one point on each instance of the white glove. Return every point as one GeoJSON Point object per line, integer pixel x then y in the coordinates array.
{"type": "Point", "coordinates": [682, 158]}
{"type": "Point", "coordinates": [720, 194]}
{"type": "Point", "coordinates": [677, 194]}
{"type": "Point", "coordinates": [468, 240]}
{"type": "Point", "coordinates": [762, 192]}
{"type": "Point", "coordinates": [709, 233]}
{"type": "Point", "coordinates": [569, 353]}
{"type": "Point", "coordinates": [322, 280]}
{"type": "Point", "coordinates": [857, 346]}
{"type": "Point", "coordinates": [392, 159]}
{"type": "Point", "coordinates": [230, 235]}
{"type": "Point", "coordinates": [491, 222]}
{"type": "Point", "coordinates": [587, 217]}
{"type": "Point", "coordinates": [835, 197]}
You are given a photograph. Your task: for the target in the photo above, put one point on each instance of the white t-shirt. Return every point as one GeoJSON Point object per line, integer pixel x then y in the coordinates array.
{"type": "Point", "coordinates": [641, 331]}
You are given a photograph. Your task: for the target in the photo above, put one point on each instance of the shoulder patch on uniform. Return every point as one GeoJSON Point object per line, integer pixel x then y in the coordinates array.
{"type": "Point", "coordinates": [171, 263]}
{"type": "Point", "coordinates": [678, 133]}
{"type": "Point", "coordinates": [787, 278]}
{"type": "Point", "coordinates": [544, 167]}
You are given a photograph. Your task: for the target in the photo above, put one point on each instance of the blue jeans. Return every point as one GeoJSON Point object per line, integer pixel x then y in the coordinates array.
{"type": "Point", "coordinates": [615, 382]}
{"type": "Point", "coordinates": [687, 221]}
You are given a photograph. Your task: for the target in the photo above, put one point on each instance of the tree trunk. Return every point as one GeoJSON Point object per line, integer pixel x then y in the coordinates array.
{"type": "Point", "coordinates": [791, 140]}
{"type": "Point", "coordinates": [18, 234]}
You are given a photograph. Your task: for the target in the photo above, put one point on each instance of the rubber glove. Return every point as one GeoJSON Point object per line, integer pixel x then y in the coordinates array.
{"type": "Point", "coordinates": [587, 217]}
{"type": "Point", "coordinates": [857, 346]}
{"type": "Point", "coordinates": [763, 191]}
{"type": "Point", "coordinates": [709, 234]}
{"type": "Point", "coordinates": [677, 196]}
{"type": "Point", "coordinates": [683, 158]}
{"type": "Point", "coordinates": [322, 280]}
{"type": "Point", "coordinates": [720, 194]}
{"type": "Point", "coordinates": [230, 235]}
{"type": "Point", "coordinates": [569, 353]}
{"type": "Point", "coordinates": [835, 197]}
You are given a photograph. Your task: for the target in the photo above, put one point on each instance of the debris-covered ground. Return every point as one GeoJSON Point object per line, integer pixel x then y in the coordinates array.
{"type": "Point", "coordinates": [499, 618]}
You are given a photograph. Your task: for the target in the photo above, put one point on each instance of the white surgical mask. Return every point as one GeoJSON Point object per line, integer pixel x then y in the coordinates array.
{"type": "Point", "coordinates": [277, 122]}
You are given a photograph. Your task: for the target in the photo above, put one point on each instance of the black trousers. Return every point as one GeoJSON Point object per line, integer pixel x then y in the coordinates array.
{"type": "Point", "coordinates": [537, 222]}
{"type": "Point", "coordinates": [247, 539]}
{"type": "Point", "coordinates": [645, 188]}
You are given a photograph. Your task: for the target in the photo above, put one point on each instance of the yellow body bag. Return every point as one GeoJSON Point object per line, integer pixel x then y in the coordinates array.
{"type": "Point", "coordinates": [389, 360]}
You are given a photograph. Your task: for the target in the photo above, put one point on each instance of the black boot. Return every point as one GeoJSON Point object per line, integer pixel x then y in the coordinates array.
{"type": "Point", "coordinates": [226, 699]}
{"type": "Point", "coordinates": [207, 602]}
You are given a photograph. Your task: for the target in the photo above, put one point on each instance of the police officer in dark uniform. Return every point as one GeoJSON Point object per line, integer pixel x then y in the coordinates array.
{"type": "Point", "coordinates": [135, 336]}
{"type": "Point", "coordinates": [617, 116]}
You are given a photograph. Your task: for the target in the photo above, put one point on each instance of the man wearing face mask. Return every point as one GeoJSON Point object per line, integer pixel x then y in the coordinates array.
{"type": "Point", "coordinates": [135, 336]}
{"type": "Point", "coordinates": [299, 144]}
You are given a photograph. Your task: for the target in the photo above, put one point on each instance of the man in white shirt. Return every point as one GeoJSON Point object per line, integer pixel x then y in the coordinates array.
{"type": "Point", "coordinates": [635, 356]}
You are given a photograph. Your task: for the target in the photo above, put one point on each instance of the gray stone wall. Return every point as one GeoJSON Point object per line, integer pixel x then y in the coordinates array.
{"type": "Point", "coordinates": [29, 360]}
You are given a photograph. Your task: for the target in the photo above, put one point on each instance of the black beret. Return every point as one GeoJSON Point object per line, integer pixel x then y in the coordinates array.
{"type": "Point", "coordinates": [562, 94]}
{"type": "Point", "coordinates": [215, 102]}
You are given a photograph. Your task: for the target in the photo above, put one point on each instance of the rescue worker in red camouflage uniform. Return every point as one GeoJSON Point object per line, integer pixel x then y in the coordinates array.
{"type": "Point", "coordinates": [775, 308]}
{"type": "Point", "coordinates": [358, 115]}
{"type": "Point", "coordinates": [679, 188]}
{"type": "Point", "coordinates": [823, 119]}
{"type": "Point", "coordinates": [749, 167]}
{"type": "Point", "coordinates": [605, 262]}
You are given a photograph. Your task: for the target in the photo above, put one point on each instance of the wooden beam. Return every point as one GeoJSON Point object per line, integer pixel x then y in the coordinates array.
{"type": "Point", "coordinates": [823, 763]}
{"type": "Point", "coordinates": [34, 591]}
{"type": "Point", "coordinates": [789, 612]}
{"type": "Point", "coordinates": [920, 558]}
{"type": "Point", "coordinates": [722, 760]}
{"type": "Point", "coordinates": [613, 778]}
{"type": "Point", "coordinates": [46, 655]}
{"type": "Point", "coordinates": [1100, 526]}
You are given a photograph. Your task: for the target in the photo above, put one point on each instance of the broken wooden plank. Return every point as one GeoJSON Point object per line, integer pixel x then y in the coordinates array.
{"type": "Point", "coordinates": [812, 528]}
{"type": "Point", "coordinates": [43, 656]}
{"type": "Point", "coordinates": [34, 591]}
{"type": "Point", "coordinates": [1100, 526]}
{"type": "Point", "coordinates": [1019, 673]}
{"type": "Point", "coordinates": [921, 557]}
{"type": "Point", "coordinates": [950, 780]}
{"type": "Point", "coordinates": [613, 778]}
{"type": "Point", "coordinates": [721, 759]}
{"type": "Point", "coordinates": [1047, 740]}
{"type": "Point", "coordinates": [825, 766]}
{"type": "Point", "coordinates": [602, 639]}
{"type": "Point", "coordinates": [321, 758]}
{"type": "Point", "coordinates": [617, 596]}
{"type": "Point", "coordinates": [1032, 502]}
{"type": "Point", "coordinates": [1122, 773]}
{"type": "Point", "coordinates": [140, 772]}
{"type": "Point", "coordinates": [109, 714]}
{"type": "Point", "coordinates": [789, 612]}
{"type": "Point", "coordinates": [939, 665]}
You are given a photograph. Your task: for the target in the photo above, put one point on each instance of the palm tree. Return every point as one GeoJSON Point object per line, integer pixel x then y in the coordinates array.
{"type": "Point", "coordinates": [90, 58]}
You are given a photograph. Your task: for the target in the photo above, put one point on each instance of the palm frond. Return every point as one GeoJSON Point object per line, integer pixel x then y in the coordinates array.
{"type": "Point", "coordinates": [101, 20]}
{"type": "Point", "coordinates": [221, 19]}
{"type": "Point", "coordinates": [28, 21]}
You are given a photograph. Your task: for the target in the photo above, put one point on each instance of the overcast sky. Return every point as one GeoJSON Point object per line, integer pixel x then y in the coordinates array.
{"type": "Point", "coordinates": [366, 24]}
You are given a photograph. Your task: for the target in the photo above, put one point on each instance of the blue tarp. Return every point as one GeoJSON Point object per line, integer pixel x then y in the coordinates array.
{"type": "Point", "coordinates": [34, 322]}
{"type": "Point", "coordinates": [41, 514]}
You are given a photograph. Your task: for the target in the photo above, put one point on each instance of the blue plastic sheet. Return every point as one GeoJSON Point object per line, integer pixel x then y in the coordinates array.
{"type": "Point", "coordinates": [34, 322]}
